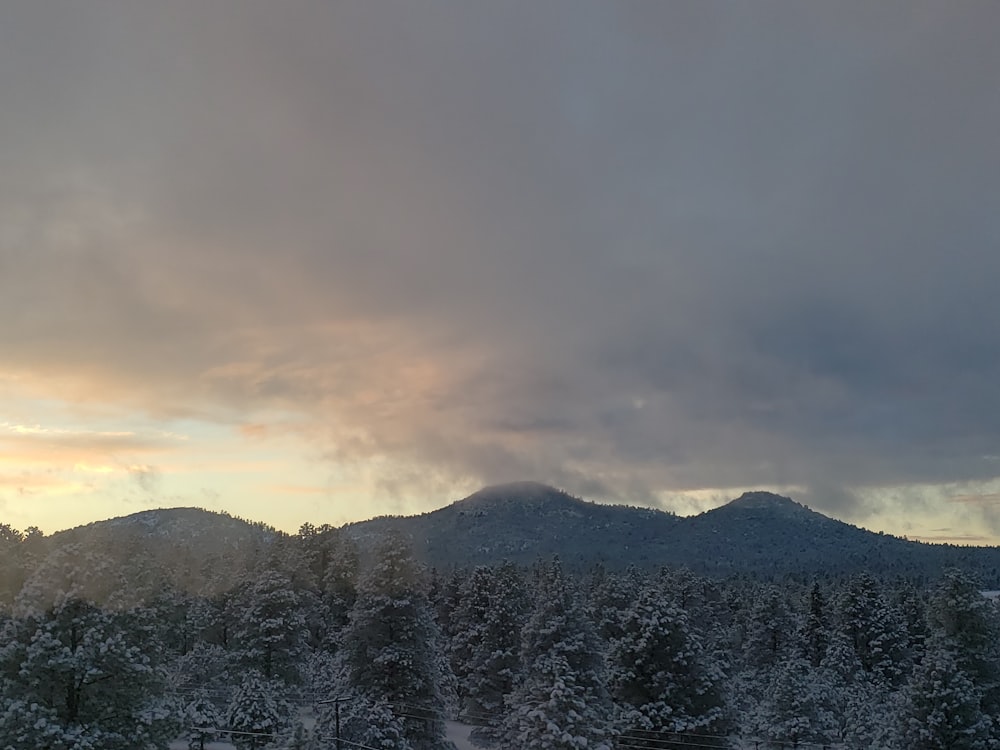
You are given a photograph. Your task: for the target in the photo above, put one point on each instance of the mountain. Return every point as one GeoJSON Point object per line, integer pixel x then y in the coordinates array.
{"type": "Point", "coordinates": [190, 549]}
{"type": "Point", "coordinates": [137, 557]}
{"type": "Point", "coordinates": [523, 521]}
{"type": "Point", "coordinates": [189, 528]}
{"type": "Point", "coordinates": [758, 533]}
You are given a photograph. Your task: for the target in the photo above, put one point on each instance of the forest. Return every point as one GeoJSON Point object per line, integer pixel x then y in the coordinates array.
{"type": "Point", "coordinates": [307, 643]}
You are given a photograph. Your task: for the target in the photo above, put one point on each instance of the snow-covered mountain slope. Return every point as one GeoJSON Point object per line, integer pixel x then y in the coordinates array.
{"type": "Point", "coordinates": [758, 533]}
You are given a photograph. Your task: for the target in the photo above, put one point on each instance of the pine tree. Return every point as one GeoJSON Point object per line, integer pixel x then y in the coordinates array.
{"type": "Point", "coordinates": [255, 718]}
{"type": "Point", "coordinates": [661, 679]}
{"type": "Point", "coordinates": [875, 629]}
{"type": "Point", "coordinates": [942, 709]}
{"type": "Point", "coordinates": [815, 632]}
{"type": "Point", "coordinates": [388, 646]}
{"type": "Point", "coordinates": [271, 629]}
{"type": "Point", "coordinates": [912, 607]}
{"type": "Point", "coordinates": [201, 719]}
{"type": "Point", "coordinates": [88, 675]}
{"type": "Point", "coordinates": [863, 712]}
{"type": "Point", "coordinates": [560, 701]}
{"type": "Point", "coordinates": [770, 631]}
{"type": "Point", "coordinates": [339, 582]}
{"type": "Point", "coordinates": [968, 624]}
{"type": "Point", "coordinates": [610, 598]}
{"type": "Point", "coordinates": [12, 565]}
{"type": "Point", "coordinates": [485, 647]}
{"type": "Point", "coordinates": [372, 724]}
{"type": "Point", "coordinates": [205, 666]}
{"type": "Point", "coordinates": [26, 724]}
{"type": "Point", "coordinates": [797, 706]}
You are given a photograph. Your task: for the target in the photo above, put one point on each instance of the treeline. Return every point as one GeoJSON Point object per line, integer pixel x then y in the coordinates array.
{"type": "Point", "coordinates": [308, 644]}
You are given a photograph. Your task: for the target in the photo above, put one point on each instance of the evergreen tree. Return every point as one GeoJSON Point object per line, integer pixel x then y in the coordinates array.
{"type": "Point", "coordinates": [271, 628]}
{"type": "Point", "coordinates": [968, 625]}
{"type": "Point", "coordinates": [560, 701]}
{"type": "Point", "coordinates": [88, 675]}
{"type": "Point", "coordinates": [204, 667]}
{"type": "Point", "coordinates": [26, 724]}
{"type": "Point", "coordinates": [12, 565]}
{"type": "Point", "coordinates": [372, 724]}
{"type": "Point", "coordinates": [201, 719]}
{"type": "Point", "coordinates": [661, 679]}
{"type": "Point", "coordinates": [486, 644]}
{"type": "Point", "coordinates": [770, 631]}
{"type": "Point", "coordinates": [797, 706]}
{"type": "Point", "coordinates": [942, 708]}
{"type": "Point", "coordinates": [864, 712]}
{"type": "Point", "coordinates": [815, 633]}
{"type": "Point", "coordinates": [912, 607]}
{"type": "Point", "coordinates": [388, 646]}
{"type": "Point", "coordinates": [339, 581]}
{"type": "Point", "coordinates": [255, 718]}
{"type": "Point", "coordinates": [875, 629]}
{"type": "Point", "coordinates": [610, 598]}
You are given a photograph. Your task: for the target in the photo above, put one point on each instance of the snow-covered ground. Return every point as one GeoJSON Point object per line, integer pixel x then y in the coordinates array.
{"type": "Point", "coordinates": [457, 733]}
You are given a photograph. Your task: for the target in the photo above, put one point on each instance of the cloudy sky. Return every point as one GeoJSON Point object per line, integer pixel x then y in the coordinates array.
{"type": "Point", "coordinates": [324, 260]}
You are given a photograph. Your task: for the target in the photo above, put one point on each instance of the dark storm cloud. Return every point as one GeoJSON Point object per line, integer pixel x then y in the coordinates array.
{"type": "Point", "coordinates": [624, 247]}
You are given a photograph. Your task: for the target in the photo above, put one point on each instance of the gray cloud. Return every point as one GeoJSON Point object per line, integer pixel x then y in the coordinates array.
{"type": "Point", "coordinates": [627, 248]}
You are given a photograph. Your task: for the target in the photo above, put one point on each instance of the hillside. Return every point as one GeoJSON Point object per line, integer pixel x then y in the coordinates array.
{"type": "Point", "coordinates": [759, 533]}
{"type": "Point", "coordinates": [523, 521]}
{"type": "Point", "coordinates": [191, 549]}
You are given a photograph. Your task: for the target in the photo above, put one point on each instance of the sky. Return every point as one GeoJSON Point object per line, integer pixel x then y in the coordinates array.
{"type": "Point", "coordinates": [324, 260]}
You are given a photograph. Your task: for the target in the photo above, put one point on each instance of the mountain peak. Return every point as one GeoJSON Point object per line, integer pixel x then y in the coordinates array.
{"type": "Point", "coordinates": [760, 500]}
{"type": "Point", "coordinates": [526, 491]}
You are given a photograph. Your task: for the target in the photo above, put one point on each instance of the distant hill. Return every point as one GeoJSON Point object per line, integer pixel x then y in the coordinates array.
{"type": "Point", "coordinates": [523, 521]}
{"type": "Point", "coordinates": [759, 533]}
{"type": "Point", "coordinates": [136, 557]}
{"type": "Point", "coordinates": [190, 549]}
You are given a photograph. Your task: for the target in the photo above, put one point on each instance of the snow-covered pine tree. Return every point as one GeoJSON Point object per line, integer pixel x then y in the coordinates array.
{"type": "Point", "coordinates": [942, 708]}
{"type": "Point", "coordinates": [814, 635]}
{"type": "Point", "coordinates": [389, 646]}
{"type": "Point", "coordinates": [911, 604]}
{"type": "Point", "coordinates": [363, 722]}
{"type": "Point", "coordinates": [467, 623]}
{"type": "Point", "coordinates": [876, 630]}
{"type": "Point", "coordinates": [26, 724]}
{"type": "Point", "coordinates": [770, 630]}
{"type": "Point", "coordinates": [797, 707]}
{"type": "Point", "coordinates": [610, 597]}
{"type": "Point", "coordinates": [560, 701]}
{"type": "Point", "coordinates": [271, 629]}
{"type": "Point", "coordinates": [486, 645]}
{"type": "Point", "coordinates": [255, 718]}
{"type": "Point", "coordinates": [205, 666]}
{"type": "Point", "coordinates": [660, 679]}
{"type": "Point", "coordinates": [967, 623]}
{"type": "Point", "coordinates": [339, 583]}
{"type": "Point", "coordinates": [89, 675]}
{"type": "Point", "coordinates": [864, 712]}
{"type": "Point", "coordinates": [202, 720]}
{"type": "Point", "coordinates": [13, 569]}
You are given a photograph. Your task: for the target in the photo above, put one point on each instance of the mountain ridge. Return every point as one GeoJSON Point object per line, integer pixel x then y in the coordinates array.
{"type": "Point", "coordinates": [758, 533]}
